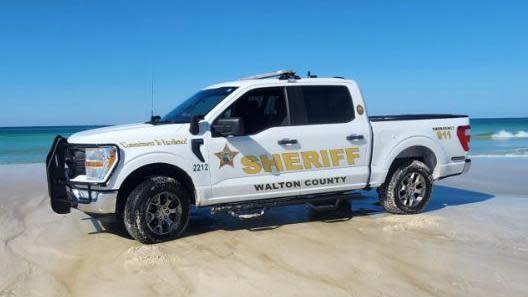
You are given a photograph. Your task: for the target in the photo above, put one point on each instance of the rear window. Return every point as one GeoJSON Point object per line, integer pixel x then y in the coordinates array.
{"type": "Point", "coordinates": [320, 105]}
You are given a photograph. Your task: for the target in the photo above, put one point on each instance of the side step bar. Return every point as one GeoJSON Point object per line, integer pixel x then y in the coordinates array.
{"type": "Point", "coordinates": [257, 208]}
{"type": "Point", "coordinates": [325, 206]}
{"type": "Point", "coordinates": [249, 215]}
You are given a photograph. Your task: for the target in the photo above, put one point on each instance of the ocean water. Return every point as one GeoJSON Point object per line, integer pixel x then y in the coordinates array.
{"type": "Point", "coordinates": [31, 144]}
{"type": "Point", "coordinates": [506, 137]}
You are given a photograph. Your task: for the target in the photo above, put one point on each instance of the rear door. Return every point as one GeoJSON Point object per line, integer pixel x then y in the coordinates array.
{"type": "Point", "coordinates": [332, 139]}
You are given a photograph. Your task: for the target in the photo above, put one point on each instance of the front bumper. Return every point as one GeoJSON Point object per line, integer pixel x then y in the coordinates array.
{"type": "Point", "coordinates": [93, 201]}
{"type": "Point", "coordinates": [65, 195]}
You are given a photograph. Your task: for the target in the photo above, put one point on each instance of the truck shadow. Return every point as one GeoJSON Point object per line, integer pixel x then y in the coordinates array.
{"type": "Point", "coordinates": [444, 196]}
{"type": "Point", "coordinates": [365, 204]}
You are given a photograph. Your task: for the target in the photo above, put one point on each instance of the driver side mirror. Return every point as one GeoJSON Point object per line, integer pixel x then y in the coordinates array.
{"type": "Point", "coordinates": [194, 128]}
{"type": "Point", "coordinates": [229, 127]}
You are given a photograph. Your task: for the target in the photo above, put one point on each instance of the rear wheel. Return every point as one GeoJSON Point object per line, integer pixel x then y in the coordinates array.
{"type": "Point", "coordinates": [157, 210]}
{"type": "Point", "coordinates": [407, 189]}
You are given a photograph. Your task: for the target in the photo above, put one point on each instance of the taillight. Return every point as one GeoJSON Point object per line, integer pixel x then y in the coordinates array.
{"type": "Point", "coordinates": [464, 135]}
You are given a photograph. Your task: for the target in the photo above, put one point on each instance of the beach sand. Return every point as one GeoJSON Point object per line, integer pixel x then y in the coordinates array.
{"type": "Point", "coordinates": [471, 241]}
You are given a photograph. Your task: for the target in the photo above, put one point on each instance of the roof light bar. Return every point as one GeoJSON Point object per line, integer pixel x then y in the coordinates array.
{"type": "Point", "coordinates": [278, 73]}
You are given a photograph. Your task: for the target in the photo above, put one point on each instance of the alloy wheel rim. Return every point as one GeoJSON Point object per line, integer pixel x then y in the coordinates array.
{"type": "Point", "coordinates": [164, 212]}
{"type": "Point", "coordinates": [412, 189]}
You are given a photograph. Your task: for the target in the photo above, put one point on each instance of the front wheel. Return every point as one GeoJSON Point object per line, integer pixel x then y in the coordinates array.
{"type": "Point", "coordinates": [407, 190]}
{"type": "Point", "coordinates": [157, 210]}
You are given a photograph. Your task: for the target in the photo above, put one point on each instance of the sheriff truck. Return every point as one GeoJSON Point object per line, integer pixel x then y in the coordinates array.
{"type": "Point", "coordinates": [244, 146]}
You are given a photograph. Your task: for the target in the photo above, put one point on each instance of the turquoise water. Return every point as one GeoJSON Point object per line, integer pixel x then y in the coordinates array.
{"type": "Point", "coordinates": [489, 137]}
{"type": "Point", "coordinates": [31, 144]}
{"type": "Point", "coordinates": [499, 137]}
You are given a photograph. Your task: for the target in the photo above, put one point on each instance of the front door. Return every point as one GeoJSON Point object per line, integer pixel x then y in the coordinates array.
{"type": "Point", "coordinates": [244, 167]}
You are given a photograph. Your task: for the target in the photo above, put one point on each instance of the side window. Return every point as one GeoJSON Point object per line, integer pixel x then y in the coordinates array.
{"type": "Point", "coordinates": [260, 109]}
{"type": "Point", "coordinates": [320, 105]}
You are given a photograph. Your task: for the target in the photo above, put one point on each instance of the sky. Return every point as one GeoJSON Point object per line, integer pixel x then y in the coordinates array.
{"type": "Point", "coordinates": [92, 62]}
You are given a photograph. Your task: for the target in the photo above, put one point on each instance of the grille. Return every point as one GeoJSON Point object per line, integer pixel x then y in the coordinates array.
{"type": "Point", "coordinates": [74, 159]}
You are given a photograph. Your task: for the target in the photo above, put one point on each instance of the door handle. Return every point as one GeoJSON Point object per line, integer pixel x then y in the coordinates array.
{"type": "Point", "coordinates": [286, 141]}
{"type": "Point", "coordinates": [355, 137]}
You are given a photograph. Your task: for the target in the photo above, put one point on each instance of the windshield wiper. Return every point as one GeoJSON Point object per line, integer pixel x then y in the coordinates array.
{"type": "Point", "coordinates": [161, 122]}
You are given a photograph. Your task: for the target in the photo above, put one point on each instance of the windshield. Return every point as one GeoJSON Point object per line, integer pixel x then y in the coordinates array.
{"type": "Point", "coordinates": [198, 105]}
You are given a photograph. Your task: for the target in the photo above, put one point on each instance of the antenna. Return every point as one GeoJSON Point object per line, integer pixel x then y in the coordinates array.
{"type": "Point", "coordinates": [153, 119]}
{"type": "Point", "coordinates": [152, 95]}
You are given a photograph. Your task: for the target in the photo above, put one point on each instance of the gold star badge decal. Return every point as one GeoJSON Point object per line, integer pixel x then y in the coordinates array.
{"type": "Point", "coordinates": [226, 157]}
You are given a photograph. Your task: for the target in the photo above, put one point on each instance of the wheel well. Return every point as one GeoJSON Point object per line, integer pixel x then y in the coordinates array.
{"type": "Point", "coordinates": [142, 173]}
{"type": "Point", "coordinates": [420, 153]}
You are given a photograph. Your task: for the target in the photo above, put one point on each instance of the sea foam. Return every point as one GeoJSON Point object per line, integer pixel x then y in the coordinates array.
{"type": "Point", "coordinates": [503, 134]}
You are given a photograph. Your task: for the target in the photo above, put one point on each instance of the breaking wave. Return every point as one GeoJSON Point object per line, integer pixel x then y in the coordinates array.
{"type": "Point", "coordinates": [503, 135]}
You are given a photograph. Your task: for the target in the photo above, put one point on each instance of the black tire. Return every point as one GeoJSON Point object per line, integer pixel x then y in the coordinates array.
{"type": "Point", "coordinates": [157, 197]}
{"type": "Point", "coordinates": [396, 194]}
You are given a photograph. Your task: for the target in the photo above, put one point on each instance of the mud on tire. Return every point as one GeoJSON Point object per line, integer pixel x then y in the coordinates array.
{"type": "Point", "coordinates": [157, 210]}
{"type": "Point", "coordinates": [407, 189]}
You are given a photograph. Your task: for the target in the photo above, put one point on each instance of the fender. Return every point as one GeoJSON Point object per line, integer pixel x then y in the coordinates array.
{"type": "Point", "coordinates": [126, 168]}
{"type": "Point", "coordinates": [406, 143]}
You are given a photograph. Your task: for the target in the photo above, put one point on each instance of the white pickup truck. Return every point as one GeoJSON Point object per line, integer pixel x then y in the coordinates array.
{"type": "Point", "coordinates": [244, 146]}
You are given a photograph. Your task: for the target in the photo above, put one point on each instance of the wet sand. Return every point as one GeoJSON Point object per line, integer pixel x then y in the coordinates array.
{"type": "Point", "coordinates": [471, 241]}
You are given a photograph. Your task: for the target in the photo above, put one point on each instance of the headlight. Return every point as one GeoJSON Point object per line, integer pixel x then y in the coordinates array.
{"type": "Point", "coordinates": [99, 162]}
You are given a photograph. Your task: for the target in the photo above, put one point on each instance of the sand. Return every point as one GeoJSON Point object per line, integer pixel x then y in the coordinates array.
{"type": "Point", "coordinates": [471, 241]}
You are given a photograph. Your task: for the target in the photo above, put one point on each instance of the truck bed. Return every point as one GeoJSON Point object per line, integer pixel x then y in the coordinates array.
{"type": "Point", "coordinates": [437, 133]}
{"type": "Point", "coordinates": [412, 117]}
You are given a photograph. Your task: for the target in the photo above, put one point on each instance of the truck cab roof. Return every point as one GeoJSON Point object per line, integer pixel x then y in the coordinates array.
{"type": "Point", "coordinates": [281, 77]}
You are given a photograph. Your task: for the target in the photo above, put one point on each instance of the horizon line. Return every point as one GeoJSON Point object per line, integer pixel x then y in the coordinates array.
{"type": "Point", "coordinates": [106, 125]}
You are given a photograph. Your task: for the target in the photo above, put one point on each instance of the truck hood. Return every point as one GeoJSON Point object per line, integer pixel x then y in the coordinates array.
{"type": "Point", "coordinates": [126, 133]}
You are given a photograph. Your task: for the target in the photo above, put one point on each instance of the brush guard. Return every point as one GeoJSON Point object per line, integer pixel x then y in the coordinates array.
{"type": "Point", "coordinates": [56, 175]}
